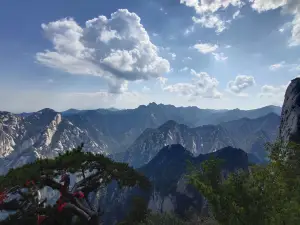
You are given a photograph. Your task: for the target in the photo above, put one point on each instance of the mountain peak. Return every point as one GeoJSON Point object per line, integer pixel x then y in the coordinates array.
{"type": "Point", "coordinates": [169, 124]}
{"type": "Point", "coordinates": [47, 110]}
{"type": "Point", "coordinates": [171, 153]}
{"type": "Point", "coordinates": [152, 104]}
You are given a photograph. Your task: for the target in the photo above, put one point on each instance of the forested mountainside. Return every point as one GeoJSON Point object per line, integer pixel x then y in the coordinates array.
{"type": "Point", "coordinates": [170, 191]}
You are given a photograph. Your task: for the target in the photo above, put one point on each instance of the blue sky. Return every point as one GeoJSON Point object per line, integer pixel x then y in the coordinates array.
{"type": "Point", "coordinates": [97, 54]}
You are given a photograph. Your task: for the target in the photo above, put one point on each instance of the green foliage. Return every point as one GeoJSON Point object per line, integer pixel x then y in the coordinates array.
{"type": "Point", "coordinates": [138, 212]}
{"type": "Point", "coordinates": [162, 219]}
{"type": "Point", "coordinates": [103, 169]}
{"type": "Point", "coordinates": [264, 195]}
{"type": "Point", "coordinates": [171, 219]}
{"type": "Point", "coordinates": [76, 161]}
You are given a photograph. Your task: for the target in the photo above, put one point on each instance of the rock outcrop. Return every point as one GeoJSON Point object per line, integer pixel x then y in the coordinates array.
{"type": "Point", "coordinates": [290, 116]}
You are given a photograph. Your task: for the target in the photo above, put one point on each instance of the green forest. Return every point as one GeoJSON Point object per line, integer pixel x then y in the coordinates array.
{"type": "Point", "coordinates": [264, 195]}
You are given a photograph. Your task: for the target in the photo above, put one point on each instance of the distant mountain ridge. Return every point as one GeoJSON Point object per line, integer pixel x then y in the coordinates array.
{"type": "Point", "coordinates": [247, 134]}
{"type": "Point", "coordinates": [45, 133]}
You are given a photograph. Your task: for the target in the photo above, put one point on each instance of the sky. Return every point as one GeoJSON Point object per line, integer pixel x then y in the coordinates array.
{"type": "Point", "coordinates": [217, 54]}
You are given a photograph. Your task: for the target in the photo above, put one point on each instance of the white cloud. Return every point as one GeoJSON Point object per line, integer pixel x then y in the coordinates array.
{"type": "Point", "coordinates": [227, 46]}
{"type": "Point", "coordinates": [236, 14]}
{"type": "Point", "coordinates": [277, 66]}
{"type": "Point", "coordinates": [212, 21]}
{"type": "Point", "coordinates": [281, 30]}
{"type": "Point", "coordinates": [203, 85]}
{"type": "Point", "coordinates": [288, 6]}
{"type": "Point", "coordinates": [219, 56]}
{"type": "Point", "coordinates": [290, 66]}
{"type": "Point", "coordinates": [207, 10]}
{"type": "Point", "coordinates": [173, 55]}
{"type": "Point", "coordinates": [206, 47]}
{"type": "Point", "coordinates": [211, 6]}
{"type": "Point", "coordinates": [295, 39]}
{"type": "Point", "coordinates": [117, 48]}
{"type": "Point", "coordinates": [275, 94]}
{"type": "Point", "coordinates": [240, 83]}
{"type": "Point", "coordinates": [265, 5]}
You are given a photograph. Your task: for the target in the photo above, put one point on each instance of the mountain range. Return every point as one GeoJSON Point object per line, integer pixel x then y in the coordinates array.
{"type": "Point", "coordinates": [27, 136]}
{"type": "Point", "coordinates": [156, 139]}
{"type": "Point", "coordinates": [247, 134]}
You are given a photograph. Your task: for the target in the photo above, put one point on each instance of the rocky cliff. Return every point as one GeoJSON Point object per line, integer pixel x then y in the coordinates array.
{"type": "Point", "coordinates": [290, 116]}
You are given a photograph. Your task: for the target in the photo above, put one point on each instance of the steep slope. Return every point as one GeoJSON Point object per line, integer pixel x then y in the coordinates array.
{"type": "Point", "coordinates": [41, 134]}
{"type": "Point", "coordinates": [290, 117]}
{"type": "Point", "coordinates": [170, 191]}
{"type": "Point", "coordinates": [249, 135]}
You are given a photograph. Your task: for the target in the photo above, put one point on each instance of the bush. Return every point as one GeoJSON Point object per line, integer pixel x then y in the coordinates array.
{"type": "Point", "coordinates": [266, 195]}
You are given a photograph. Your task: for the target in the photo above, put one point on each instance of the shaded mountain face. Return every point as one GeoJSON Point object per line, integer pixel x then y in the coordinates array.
{"type": "Point", "coordinates": [247, 134]}
{"type": "Point", "coordinates": [170, 190]}
{"type": "Point", "coordinates": [25, 137]}
{"type": "Point", "coordinates": [290, 117]}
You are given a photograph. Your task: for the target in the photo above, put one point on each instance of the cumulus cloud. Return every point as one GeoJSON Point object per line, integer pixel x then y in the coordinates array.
{"type": "Point", "coordinates": [211, 21]}
{"type": "Point", "coordinates": [288, 6]}
{"type": "Point", "coordinates": [207, 10]}
{"type": "Point", "coordinates": [203, 85]}
{"type": "Point", "coordinates": [206, 47]}
{"type": "Point", "coordinates": [211, 6]}
{"type": "Point", "coordinates": [240, 83]}
{"type": "Point", "coordinates": [117, 49]}
{"type": "Point", "coordinates": [265, 5]}
{"type": "Point", "coordinates": [277, 66]}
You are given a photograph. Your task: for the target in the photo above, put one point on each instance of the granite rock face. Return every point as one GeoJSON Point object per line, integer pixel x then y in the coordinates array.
{"type": "Point", "coordinates": [290, 116]}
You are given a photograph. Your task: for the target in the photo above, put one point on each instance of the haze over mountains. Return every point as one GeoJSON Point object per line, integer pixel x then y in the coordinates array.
{"type": "Point", "coordinates": [26, 137]}
{"type": "Point", "coordinates": [247, 134]}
